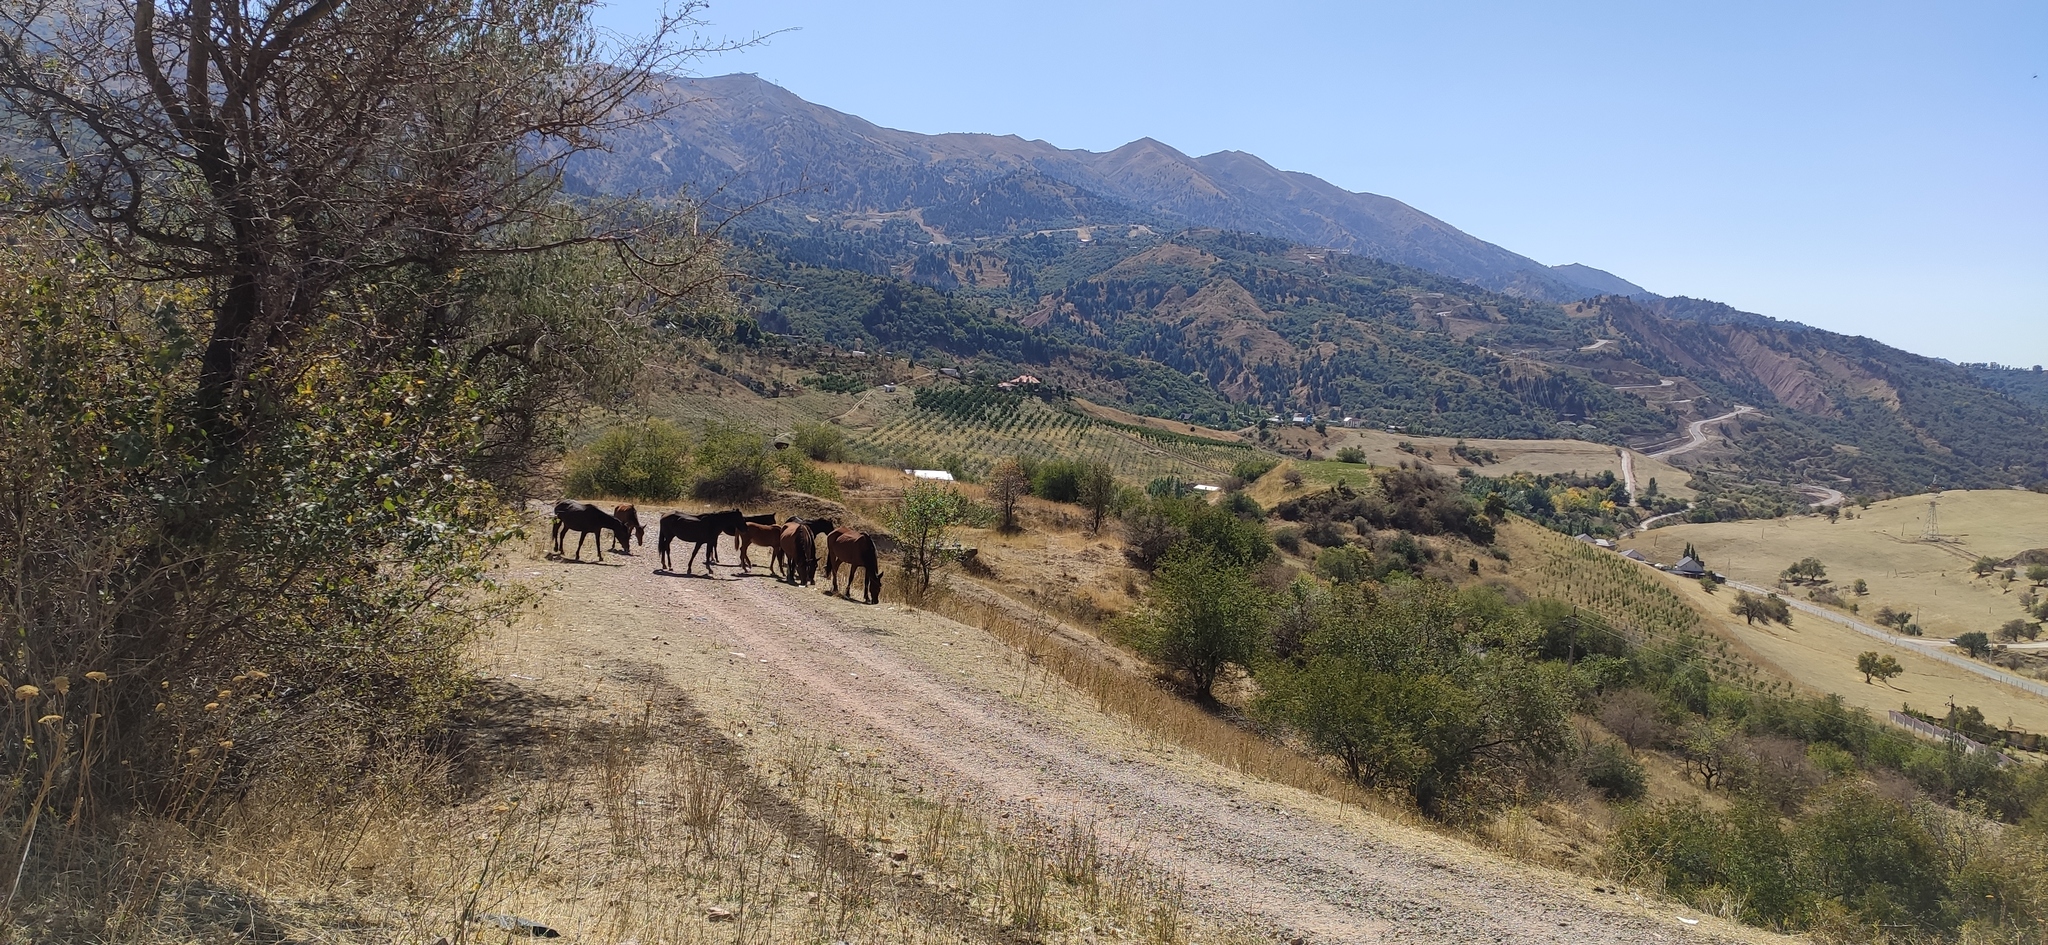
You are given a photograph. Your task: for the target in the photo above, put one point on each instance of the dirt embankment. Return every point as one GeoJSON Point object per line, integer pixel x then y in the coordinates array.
{"type": "Point", "coordinates": [945, 704]}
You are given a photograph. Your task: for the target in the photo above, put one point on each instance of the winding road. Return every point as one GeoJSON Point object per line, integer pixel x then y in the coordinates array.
{"type": "Point", "coordinates": [1698, 433]}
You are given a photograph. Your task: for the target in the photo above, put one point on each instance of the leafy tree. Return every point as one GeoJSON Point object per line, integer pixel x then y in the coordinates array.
{"type": "Point", "coordinates": [289, 315]}
{"type": "Point", "coordinates": [1879, 665]}
{"type": "Point", "coordinates": [924, 521]}
{"type": "Point", "coordinates": [1168, 487]}
{"type": "Point", "coordinates": [1976, 643]}
{"type": "Point", "coordinates": [1694, 554]}
{"type": "Point", "coordinates": [1896, 619]}
{"type": "Point", "coordinates": [1351, 454]}
{"type": "Point", "coordinates": [1752, 608]}
{"type": "Point", "coordinates": [1708, 584]}
{"type": "Point", "coordinates": [1204, 612]}
{"type": "Point", "coordinates": [1869, 852]}
{"type": "Point", "coordinates": [2038, 574]}
{"type": "Point", "coordinates": [1984, 565]}
{"type": "Point", "coordinates": [1860, 587]}
{"type": "Point", "coordinates": [1098, 492]}
{"type": "Point", "coordinates": [1008, 483]}
{"type": "Point", "coordinates": [1805, 571]}
{"type": "Point", "coordinates": [1344, 564]}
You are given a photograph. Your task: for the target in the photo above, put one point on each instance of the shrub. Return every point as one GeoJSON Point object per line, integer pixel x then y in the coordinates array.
{"type": "Point", "coordinates": [1251, 468]}
{"type": "Point", "coordinates": [1343, 564]}
{"type": "Point", "coordinates": [646, 460]}
{"type": "Point", "coordinates": [1976, 643]}
{"type": "Point", "coordinates": [819, 441]}
{"type": "Point", "coordinates": [1288, 539]}
{"type": "Point", "coordinates": [1607, 768]}
{"type": "Point", "coordinates": [733, 463]}
{"type": "Point", "coordinates": [1351, 454]}
{"type": "Point", "coordinates": [805, 476]}
{"type": "Point", "coordinates": [1059, 480]}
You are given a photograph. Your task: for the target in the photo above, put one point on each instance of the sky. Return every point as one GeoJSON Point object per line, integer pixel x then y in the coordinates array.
{"type": "Point", "coordinates": [1872, 168]}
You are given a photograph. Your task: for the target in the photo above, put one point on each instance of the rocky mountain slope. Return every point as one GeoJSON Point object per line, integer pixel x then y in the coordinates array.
{"type": "Point", "coordinates": [1133, 276]}
{"type": "Point", "coordinates": [748, 139]}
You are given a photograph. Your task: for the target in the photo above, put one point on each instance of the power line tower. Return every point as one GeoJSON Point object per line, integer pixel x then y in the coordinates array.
{"type": "Point", "coordinates": [1933, 532]}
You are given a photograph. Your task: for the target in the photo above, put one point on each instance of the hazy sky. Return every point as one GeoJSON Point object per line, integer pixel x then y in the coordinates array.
{"type": "Point", "coordinates": [1871, 168]}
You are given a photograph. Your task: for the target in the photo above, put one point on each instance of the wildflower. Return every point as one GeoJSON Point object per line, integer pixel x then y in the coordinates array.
{"type": "Point", "coordinates": [227, 694]}
{"type": "Point", "coordinates": [25, 693]}
{"type": "Point", "coordinates": [96, 676]}
{"type": "Point", "coordinates": [258, 674]}
{"type": "Point", "coordinates": [62, 684]}
{"type": "Point", "coordinates": [212, 706]}
{"type": "Point", "coordinates": [194, 753]}
{"type": "Point", "coordinates": [227, 743]}
{"type": "Point", "coordinates": [50, 719]}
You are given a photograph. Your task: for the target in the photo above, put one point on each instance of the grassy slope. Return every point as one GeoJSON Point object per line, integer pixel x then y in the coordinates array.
{"type": "Point", "coordinates": [1930, 580]}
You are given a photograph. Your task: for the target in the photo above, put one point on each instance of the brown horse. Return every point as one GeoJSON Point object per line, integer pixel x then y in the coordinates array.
{"type": "Point", "coordinates": [739, 542]}
{"type": "Point", "coordinates": [583, 519]}
{"type": "Point", "coordinates": [630, 517]}
{"type": "Point", "coordinates": [857, 551]}
{"type": "Point", "coordinates": [766, 534]}
{"type": "Point", "coordinates": [798, 552]}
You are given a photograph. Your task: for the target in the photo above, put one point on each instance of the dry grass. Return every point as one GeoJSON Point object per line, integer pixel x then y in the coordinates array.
{"type": "Point", "coordinates": [1535, 456]}
{"type": "Point", "coordinates": [1932, 581]}
{"type": "Point", "coordinates": [656, 829]}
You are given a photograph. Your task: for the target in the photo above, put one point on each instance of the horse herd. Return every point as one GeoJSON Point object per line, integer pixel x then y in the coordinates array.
{"type": "Point", "coordinates": [792, 544]}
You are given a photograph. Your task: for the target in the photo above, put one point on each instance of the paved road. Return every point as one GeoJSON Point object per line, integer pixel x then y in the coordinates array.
{"type": "Point", "coordinates": [1698, 433]}
{"type": "Point", "coordinates": [1666, 382]}
{"type": "Point", "coordinates": [1828, 496]}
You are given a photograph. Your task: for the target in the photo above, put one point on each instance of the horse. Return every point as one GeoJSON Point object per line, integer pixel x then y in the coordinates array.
{"type": "Point", "coordinates": [768, 535]}
{"type": "Point", "coordinates": [798, 552]}
{"type": "Point", "coordinates": [857, 551]}
{"type": "Point", "coordinates": [699, 530]}
{"type": "Point", "coordinates": [820, 527]}
{"type": "Point", "coordinates": [740, 544]}
{"type": "Point", "coordinates": [630, 517]}
{"type": "Point", "coordinates": [584, 519]}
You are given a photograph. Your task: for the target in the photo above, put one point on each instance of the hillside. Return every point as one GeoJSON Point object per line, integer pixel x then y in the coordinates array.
{"type": "Point", "coordinates": [750, 139]}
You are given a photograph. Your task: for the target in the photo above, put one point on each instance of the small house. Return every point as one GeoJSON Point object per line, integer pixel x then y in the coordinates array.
{"type": "Point", "coordinates": [888, 388]}
{"type": "Point", "coordinates": [951, 372]}
{"type": "Point", "coordinates": [1634, 555]}
{"type": "Point", "coordinates": [1689, 567]}
{"type": "Point", "coordinates": [1206, 488]}
{"type": "Point", "coordinates": [937, 475]}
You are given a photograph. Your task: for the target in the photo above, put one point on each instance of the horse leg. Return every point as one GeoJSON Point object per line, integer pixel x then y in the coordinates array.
{"type": "Point", "coordinates": [598, 544]}
{"type": "Point", "coordinates": [555, 535]}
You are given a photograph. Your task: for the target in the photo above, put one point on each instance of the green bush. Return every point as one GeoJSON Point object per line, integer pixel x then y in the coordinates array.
{"type": "Point", "coordinates": [1344, 564]}
{"type": "Point", "coordinates": [733, 463]}
{"type": "Point", "coordinates": [1351, 454]}
{"type": "Point", "coordinates": [1251, 468]}
{"type": "Point", "coordinates": [1607, 768]}
{"type": "Point", "coordinates": [804, 476]}
{"type": "Point", "coordinates": [1059, 480]}
{"type": "Point", "coordinates": [647, 460]}
{"type": "Point", "coordinates": [820, 441]}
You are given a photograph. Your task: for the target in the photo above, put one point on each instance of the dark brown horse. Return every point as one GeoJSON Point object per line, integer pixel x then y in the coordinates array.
{"type": "Point", "coordinates": [630, 517]}
{"type": "Point", "coordinates": [583, 519]}
{"type": "Point", "coordinates": [857, 551]}
{"type": "Point", "coordinates": [701, 531]}
{"type": "Point", "coordinates": [798, 552]}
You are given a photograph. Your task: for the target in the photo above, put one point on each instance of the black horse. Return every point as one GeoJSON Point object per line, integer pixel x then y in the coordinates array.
{"type": "Point", "coordinates": [700, 531]}
{"type": "Point", "coordinates": [585, 520]}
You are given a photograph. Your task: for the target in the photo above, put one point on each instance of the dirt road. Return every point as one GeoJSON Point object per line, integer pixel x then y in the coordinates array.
{"type": "Point", "coordinates": [934, 697]}
{"type": "Point", "coordinates": [1697, 434]}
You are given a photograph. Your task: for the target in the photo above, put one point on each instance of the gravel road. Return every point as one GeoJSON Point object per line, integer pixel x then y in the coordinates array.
{"type": "Point", "coordinates": [1290, 863]}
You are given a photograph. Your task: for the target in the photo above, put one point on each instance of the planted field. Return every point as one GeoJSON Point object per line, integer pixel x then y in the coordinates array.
{"type": "Point", "coordinates": [1534, 456]}
{"type": "Point", "coordinates": [976, 435]}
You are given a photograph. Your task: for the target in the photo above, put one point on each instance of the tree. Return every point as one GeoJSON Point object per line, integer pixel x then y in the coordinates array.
{"type": "Point", "coordinates": [1860, 587]}
{"type": "Point", "coordinates": [2015, 630]}
{"type": "Point", "coordinates": [1976, 643]}
{"type": "Point", "coordinates": [1708, 584]}
{"type": "Point", "coordinates": [2038, 574]}
{"type": "Point", "coordinates": [1351, 454]}
{"type": "Point", "coordinates": [1895, 619]}
{"type": "Point", "coordinates": [292, 303]}
{"type": "Point", "coordinates": [1097, 493]}
{"type": "Point", "coordinates": [1694, 554]}
{"type": "Point", "coordinates": [1008, 484]}
{"type": "Point", "coordinates": [1203, 613]}
{"type": "Point", "coordinates": [1805, 571]}
{"type": "Point", "coordinates": [924, 520]}
{"type": "Point", "coordinates": [1880, 665]}
{"type": "Point", "coordinates": [1751, 608]}
{"type": "Point", "coordinates": [1984, 565]}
